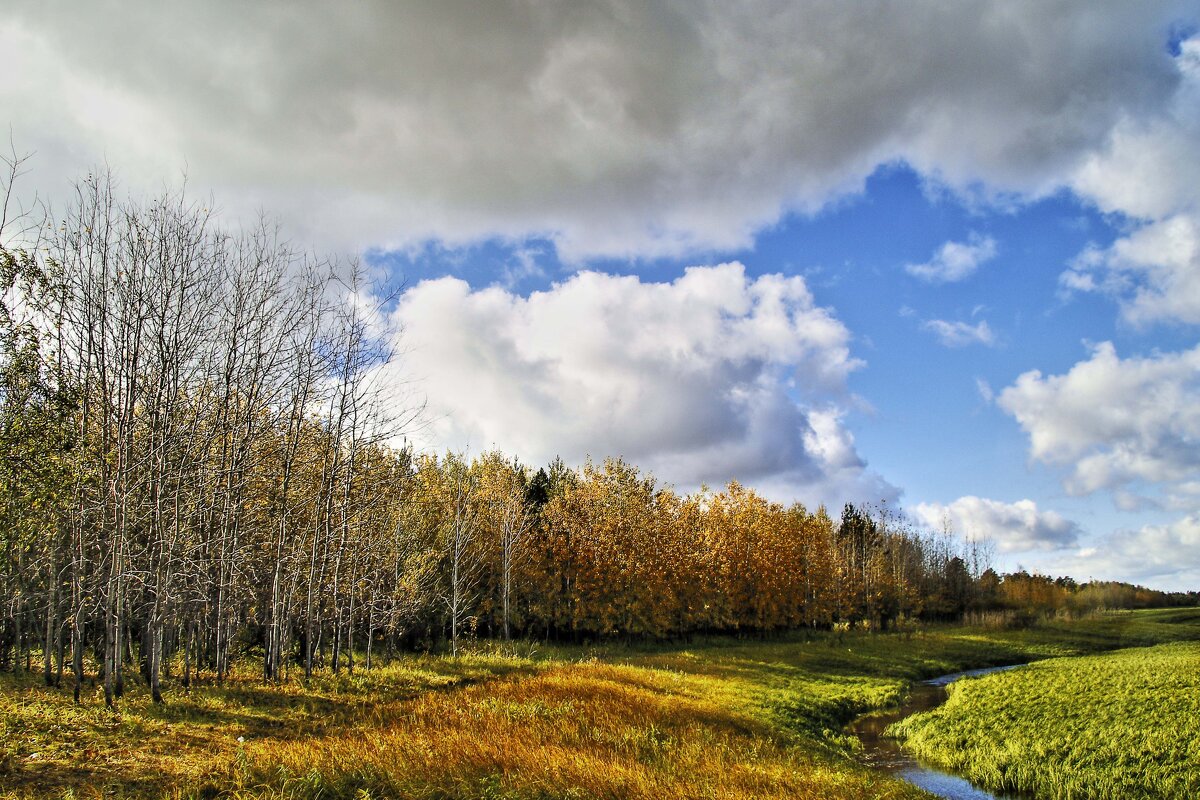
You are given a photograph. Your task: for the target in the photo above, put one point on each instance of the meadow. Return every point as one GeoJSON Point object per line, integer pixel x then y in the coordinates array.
{"type": "Point", "coordinates": [1124, 724]}
{"type": "Point", "coordinates": [721, 718]}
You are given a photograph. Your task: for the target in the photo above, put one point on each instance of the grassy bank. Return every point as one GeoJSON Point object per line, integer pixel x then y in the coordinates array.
{"type": "Point", "coordinates": [1120, 725]}
{"type": "Point", "coordinates": [724, 718]}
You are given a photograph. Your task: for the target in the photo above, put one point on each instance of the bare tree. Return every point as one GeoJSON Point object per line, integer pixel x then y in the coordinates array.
{"type": "Point", "coordinates": [461, 545]}
{"type": "Point", "coordinates": [502, 494]}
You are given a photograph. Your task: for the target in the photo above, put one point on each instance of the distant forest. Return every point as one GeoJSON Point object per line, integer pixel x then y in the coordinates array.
{"type": "Point", "coordinates": [201, 466]}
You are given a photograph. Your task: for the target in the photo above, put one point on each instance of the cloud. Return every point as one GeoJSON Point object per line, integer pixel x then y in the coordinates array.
{"type": "Point", "coordinates": [1165, 556]}
{"type": "Point", "coordinates": [1147, 167]}
{"type": "Point", "coordinates": [955, 261]}
{"type": "Point", "coordinates": [959, 334]}
{"type": "Point", "coordinates": [522, 265]}
{"type": "Point", "coordinates": [1154, 272]}
{"type": "Point", "coordinates": [710, 377]}
{"type": "Point", "coordinates": [986, 392]}
{"type": "Point", "coordinates": [1114, 422]}
{"type": "Point", "coordinates": [609, 129]}
{"type": "Point", "coordinates": [1014, 527]}
{"type": "Point", "coordinates": [1149, 170]}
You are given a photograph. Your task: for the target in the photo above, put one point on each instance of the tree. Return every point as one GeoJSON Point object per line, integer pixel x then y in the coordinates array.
{"type": "Point", "coordinates": [461, 542]}
{"type": "Point", "coordinates": [503, 493]}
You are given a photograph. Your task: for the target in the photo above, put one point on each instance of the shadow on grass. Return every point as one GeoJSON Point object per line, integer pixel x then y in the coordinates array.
{"type": "Point", "coordinates": [49, 745]}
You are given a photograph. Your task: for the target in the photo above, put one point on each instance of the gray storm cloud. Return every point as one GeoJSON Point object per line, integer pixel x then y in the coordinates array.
{"type": "Point", "coordinates": [638, 130]}
{"type": "Point", "coordinates": [609, 128]}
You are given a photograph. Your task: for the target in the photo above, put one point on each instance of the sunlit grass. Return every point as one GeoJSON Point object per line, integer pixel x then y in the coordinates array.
{"type": "Point", "coordinates": [1119, 725]}
{"type": "Point", "coordinates": [49, 745]}
{"type": "Point", "coordinates": [713, 718]}
{"type": "Point", "coordinates": [573, 730]}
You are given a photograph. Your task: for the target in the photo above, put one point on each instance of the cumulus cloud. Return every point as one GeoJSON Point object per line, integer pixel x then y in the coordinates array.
{"type": "Point", "coordinates": [955, 261]}
{"type": "Point", "coordinates": [1154, 272]}
{"type": "Point", "coordinates": [1114, 422]}
{"type": "Point", "coordinates": [960, 334]}
{"type": "Point", "coordinates": [1014, 527]}
{"type": "Point", "coordinates": [710, 377]}
{"type": "Point", "coordinates": [610, 129]}
{"type": "Point", "coordinates": [1147, 167]}
{"type": "Point", "coordinates": [1149, 170]}
{"type": "Point", "coordinates": [1166, 556]}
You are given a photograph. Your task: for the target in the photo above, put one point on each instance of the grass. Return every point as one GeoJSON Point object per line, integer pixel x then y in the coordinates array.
{"type": "Point", "coordinates": [1120, 725]}
{"type": "Point", "coordinates": [50, 747]}
{"type": "Point", "coordinates": [724, 718]}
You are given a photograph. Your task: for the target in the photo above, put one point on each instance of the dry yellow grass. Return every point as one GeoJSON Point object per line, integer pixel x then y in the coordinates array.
{"type": "Point", "coordinates": [50, 747]}
{"type": "Point", "coordinates": [726, 719]}
{"type": "Point", "coordinates": [573, 730]}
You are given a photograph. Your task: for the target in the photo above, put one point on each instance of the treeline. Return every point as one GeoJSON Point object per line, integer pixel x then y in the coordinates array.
{"type": "Point", "coordinates": [200, 465]}
{"type": "Point", "coordinates": [192, 439]}
{"type": "Point", "coordinates": [1033, 594]}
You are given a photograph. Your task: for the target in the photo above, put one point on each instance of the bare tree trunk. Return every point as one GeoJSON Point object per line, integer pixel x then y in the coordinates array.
{"type": "Point", "coordinates": [370, 630]}
{"type": "Point", "coordinates": [463, 550]}
{"type": "Point", "coordinates": [76, 633]}
{"type": "Point", "coordinates": [59, 654]}
{"type": "Point", "coordinates": [350, 627]}
{"type": "Point", "coordinates": [51, 617]}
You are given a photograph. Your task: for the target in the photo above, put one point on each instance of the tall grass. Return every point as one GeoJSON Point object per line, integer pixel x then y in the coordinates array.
{"type": "Point", "coordinates": [1120, 725]}
{"type": "Point", "coordinates": [722, 718]}
{"type": "Point", "coordinates": [49, 746]}
{"type": "Point", "coordinates": [573, 730]}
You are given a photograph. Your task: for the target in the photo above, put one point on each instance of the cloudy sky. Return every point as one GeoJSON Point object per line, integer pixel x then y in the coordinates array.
{"type": "Point", "coordinates": [945, 255]}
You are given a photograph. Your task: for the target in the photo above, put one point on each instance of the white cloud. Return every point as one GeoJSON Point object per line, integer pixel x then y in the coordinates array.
{"type": "Point", "coordinates": [1149, 169]}
{"type": "Point", "coordinates": [522, 265]}
{"type": "Point", "coordinates": [986, 392]}
{"type": "Point", "coordinates": [1014, 527]}
{"type": "Point", "coordinates": [710, 377]}
{"type": "Point", "coordinates": [1154, 272]}
{"type": "Point", "coordinates": [1114, 422]}
{"type": "Point", "coordinates": [1163, 556]}
{"type": "Point", "coordinates": [960, 334]}
{"type": "Point", "coordinates": [955, 261]}
{"type": "Point", "coordinates": [609, 128]}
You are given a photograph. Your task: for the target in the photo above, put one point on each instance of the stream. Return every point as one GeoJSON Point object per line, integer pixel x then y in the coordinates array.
{"type": "Point", "coordinates": [886, 754]}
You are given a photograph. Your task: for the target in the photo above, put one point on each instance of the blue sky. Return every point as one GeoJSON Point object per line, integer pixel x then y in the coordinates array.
{"type": "Point", "coordinates": [947, 256]}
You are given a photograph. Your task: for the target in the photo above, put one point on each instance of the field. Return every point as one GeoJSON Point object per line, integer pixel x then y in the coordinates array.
{"type": "Point", "coordinates": [723, 718]}
{"type": "Point", "coordinates": [1119, 725]}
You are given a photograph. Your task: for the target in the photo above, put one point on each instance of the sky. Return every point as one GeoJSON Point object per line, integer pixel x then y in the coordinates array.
{"type": "Point", "coordinates": [939, 255]}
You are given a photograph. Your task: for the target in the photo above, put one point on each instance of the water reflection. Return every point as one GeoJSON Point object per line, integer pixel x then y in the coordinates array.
{"type": "Point", "coordinates": [886, 754]}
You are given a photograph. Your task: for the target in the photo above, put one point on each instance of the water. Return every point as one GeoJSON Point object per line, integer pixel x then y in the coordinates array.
{"type": "Point", "coordinates": [886, 754]}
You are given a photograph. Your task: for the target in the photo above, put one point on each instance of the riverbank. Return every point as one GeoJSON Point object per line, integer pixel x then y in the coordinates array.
{"type": "Point", "coordinates": [722, 718]}
{"type": "Point", "coordinates": [1119, 725]}
{"type": "Point", "coordinates": [882, 751]}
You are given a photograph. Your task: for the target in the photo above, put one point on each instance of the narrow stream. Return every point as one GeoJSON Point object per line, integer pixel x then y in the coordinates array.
{"type": "Point", "coordinates": [886, 754]}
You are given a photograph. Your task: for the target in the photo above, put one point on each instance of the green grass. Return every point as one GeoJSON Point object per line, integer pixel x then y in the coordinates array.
{"type": "Point", "coordinates": [720, 718]}
{"type": "Point", "coordinates": [1120, 725]}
